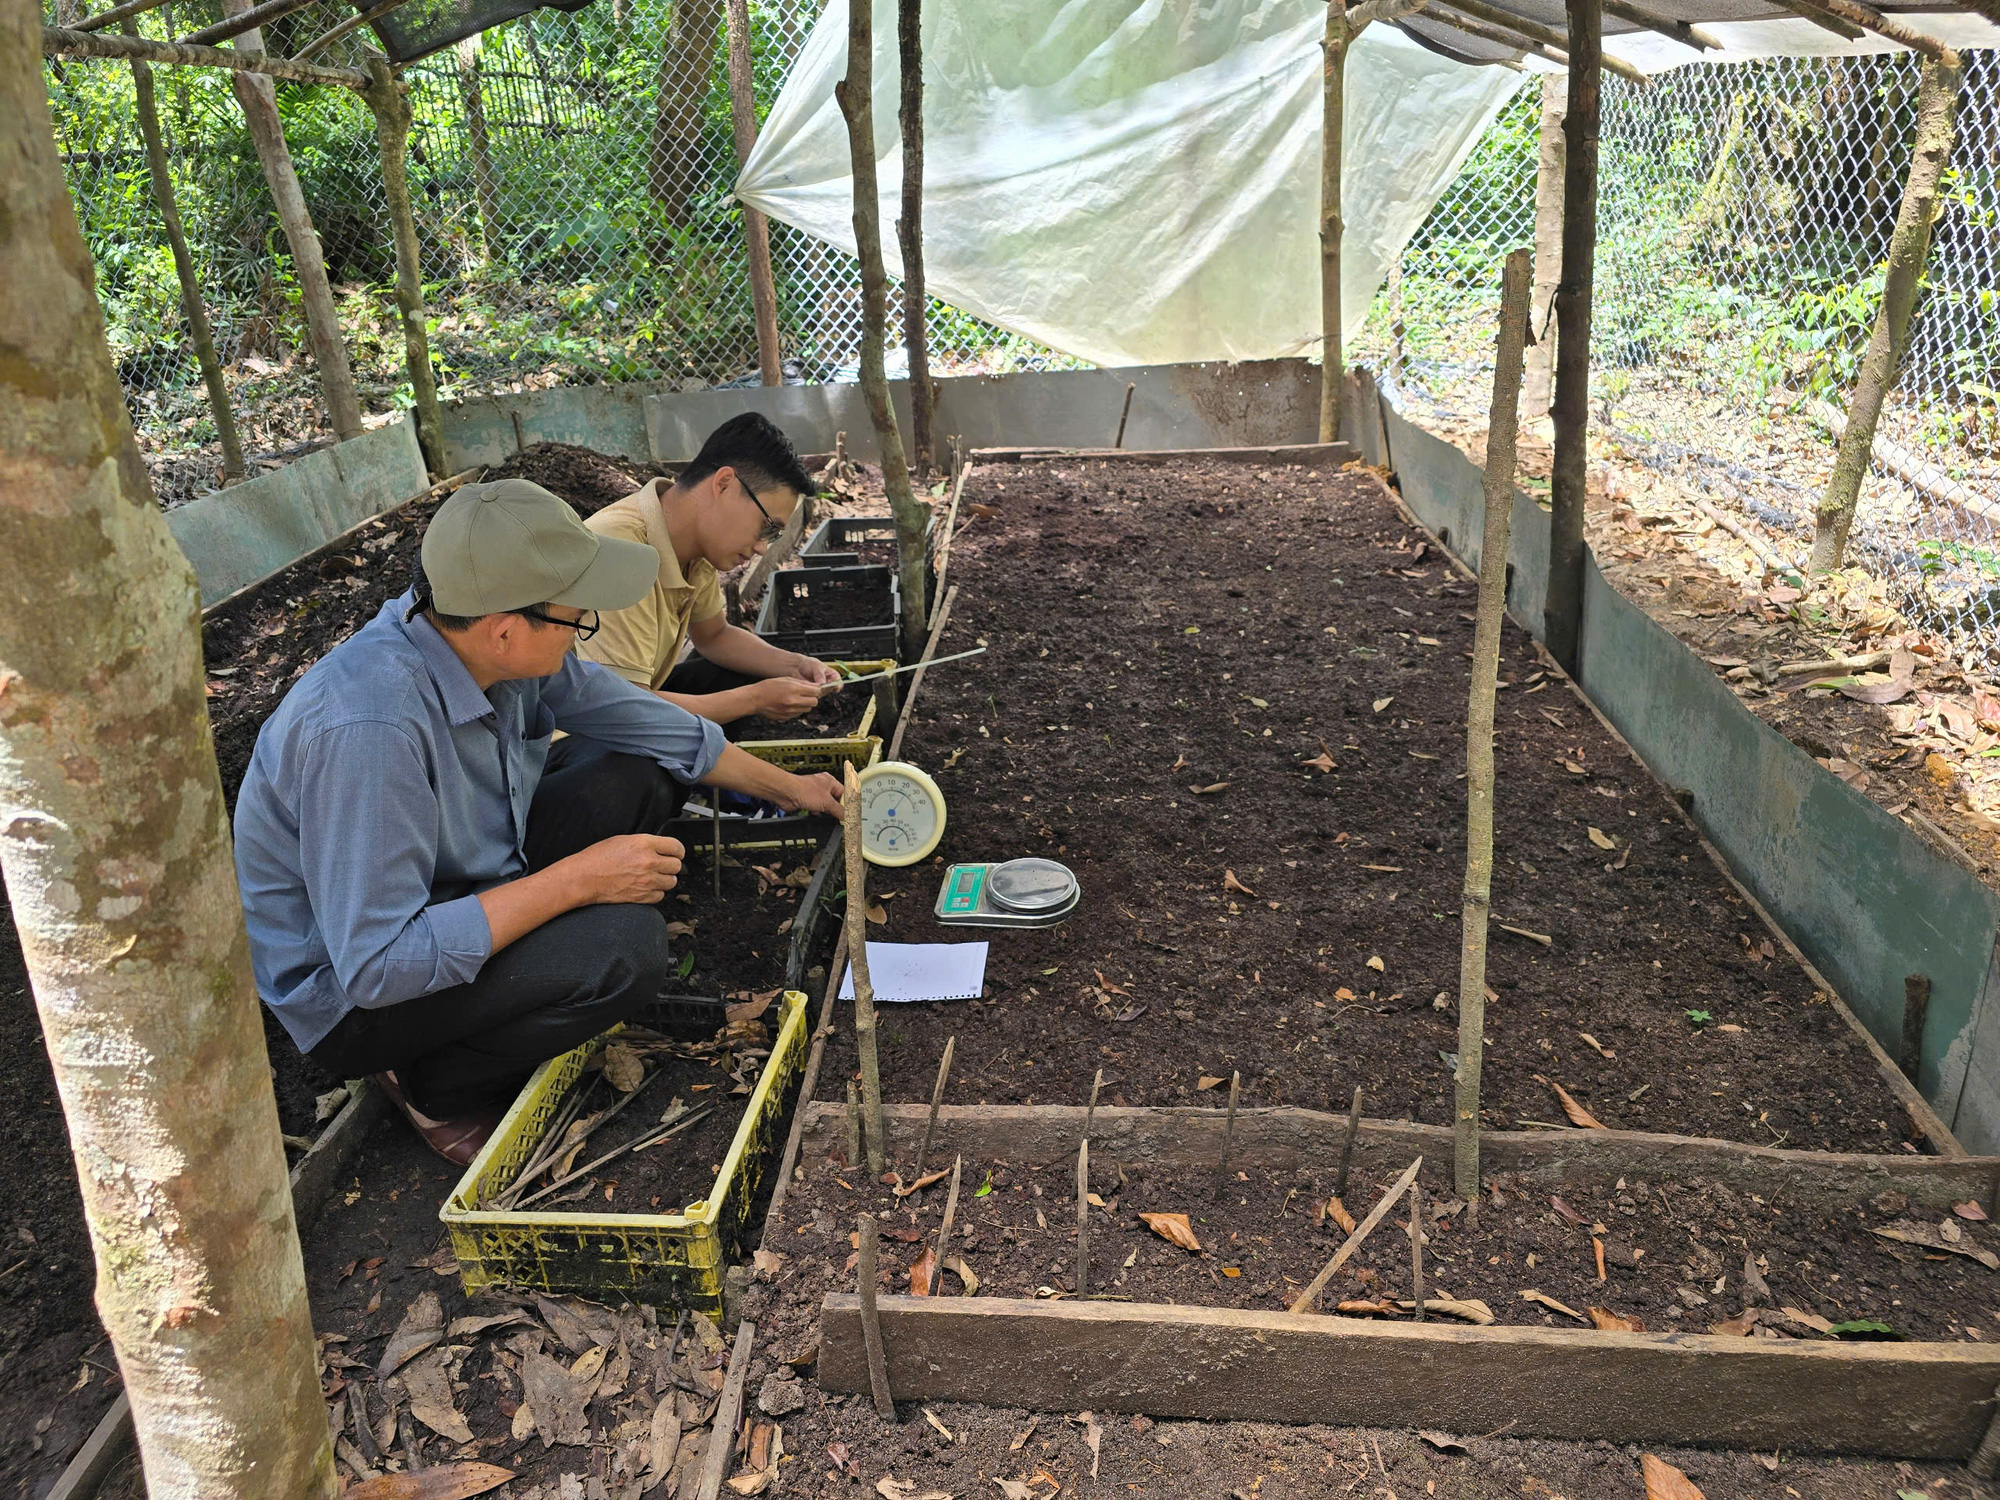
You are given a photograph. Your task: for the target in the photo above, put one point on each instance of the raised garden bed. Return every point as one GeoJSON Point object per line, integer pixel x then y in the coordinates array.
{"type": "Point", "coordinates": [1159, 724]}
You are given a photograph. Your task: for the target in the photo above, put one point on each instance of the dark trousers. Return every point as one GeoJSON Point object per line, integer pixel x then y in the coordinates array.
{"type": "Point", "coordinates": [472, 1045]}
{"type": "Point", "coordinates": [697, 675]}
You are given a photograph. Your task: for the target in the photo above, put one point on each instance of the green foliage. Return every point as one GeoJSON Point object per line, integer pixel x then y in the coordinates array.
{"type": "Point", "coordinates": [1698, 1018]}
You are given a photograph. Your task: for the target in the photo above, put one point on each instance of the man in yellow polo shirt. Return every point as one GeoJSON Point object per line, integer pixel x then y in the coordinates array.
{"type": "Point", "coordinates": [725, 508]}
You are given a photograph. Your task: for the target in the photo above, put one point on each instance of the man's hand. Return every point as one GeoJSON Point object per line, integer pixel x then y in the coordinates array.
{"type": "Point", "coordinates": [818, 673]}
{"type": "Point", "coordinates": [783, 698]}
{"type": "Point", "coordinates": [633, 868]}
{"type": "Point", "coordinates": [818, 793]}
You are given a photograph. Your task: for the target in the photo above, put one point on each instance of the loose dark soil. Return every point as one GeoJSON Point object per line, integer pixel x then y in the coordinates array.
{"type": "Point", "coordinates": [833, 602]}
{"type": "Point", "coordinates": [1668, 1243]}
{"type": "Point", "coordinates": [1171, 650]}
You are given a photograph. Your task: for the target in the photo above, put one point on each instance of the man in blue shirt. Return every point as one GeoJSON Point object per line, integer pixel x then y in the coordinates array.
{"type": "Point", "coordinates": [416, 909]}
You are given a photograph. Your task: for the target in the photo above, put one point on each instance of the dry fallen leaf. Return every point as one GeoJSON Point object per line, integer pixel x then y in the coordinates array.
{"type": "Point", "coordinates": [891, 1488]}
{"type": "Point", "coordinates": [878, 914]}
{"type": "Point", "coordinates": [1595, 1045]}
{"type": "Point", "coordinates": [1607, 1321]}
{"type": "Point", "coordinates": [622, 1068]}
{"type": "Point", "coordinates": [1665, 1482]}
{"type": "Point", "coordinates": [1324, 761]}
{"type": "Point", "coordinates": [1093, 1436]}
{"type": "Point", "coordinates": [1806, 1319]}
{"type": "Point", "coordinates": [1542, 1299]}
{"type": "Point", "coordinates": [1209, 1081]}
{"type": "Point", "coordinates": [1580, 1117]}
{"type": "Point", "coordinates": [922, 1182]}
{"type": "Point", "coordinates": [938, 1422]}
{"type": "Point", "coordinates": [1444, 1442]}
{"type": "Point", "coordinates": [1377, 965]}
{"type": "Point", "coordinates": [957, 1266]}
{"type": "Point", "coordinates": [1738, 1326]}
{"type": "Point", "coordinates": [922, 1272]}
{"type": "Point", "coordinates": [1173, 1227]}
{"type": "Point", "coordinates": [1970, 1211]}
{"type": "Point", "coordinates": [422, 1326]}
{"type": "Point", "coordinates": [1337, 1211]}
{"type": "Point", "coordinates": [1231, 883]}
{"type": "Point", "coordinates": [1382, 703]}
{"type": "Point", "coordinates": [457, 1481]}
{"type": "Point", "coordinates": [766, 1263]}
{"type": "Point", "coordinates": [1215, 786]}
{"type": "Point", "coordinates": [1600, 838]}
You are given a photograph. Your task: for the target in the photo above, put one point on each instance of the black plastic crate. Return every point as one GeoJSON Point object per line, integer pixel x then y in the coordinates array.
{"type": "Point", "coordinates": [869, 595]}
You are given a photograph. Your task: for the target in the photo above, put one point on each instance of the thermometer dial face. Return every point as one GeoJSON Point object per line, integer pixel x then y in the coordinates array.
{"type": "Point", "coordinates": [902, 814]}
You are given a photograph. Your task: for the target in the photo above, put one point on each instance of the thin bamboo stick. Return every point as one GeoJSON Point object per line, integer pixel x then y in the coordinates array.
{"type": "Point", "coordinates": [857, 960]}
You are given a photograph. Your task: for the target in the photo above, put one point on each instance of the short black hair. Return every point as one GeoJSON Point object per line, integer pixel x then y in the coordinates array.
{"type": "Point", "coordinates": [753, 446]}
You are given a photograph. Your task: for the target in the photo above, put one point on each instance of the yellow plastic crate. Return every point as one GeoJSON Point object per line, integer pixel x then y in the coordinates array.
{"type": "Point", "coordinates": [801, 757]}
{"type": "Point", "coordinates": [669, 1260]}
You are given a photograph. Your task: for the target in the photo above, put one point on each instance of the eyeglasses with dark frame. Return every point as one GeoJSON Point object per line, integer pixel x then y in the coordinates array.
{"type": "Point", "coordinates": [773, 527]}
{"type": "Point", "coordinates": [583, 631]}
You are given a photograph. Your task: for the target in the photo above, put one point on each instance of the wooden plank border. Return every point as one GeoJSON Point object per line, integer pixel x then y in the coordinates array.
{"type": "Point", "coordinates": [1289, 1138]}
{"type": "Point", "coordinates": [1296, 455]}
{"type": "Point", "coordinates": [1924, 1401]}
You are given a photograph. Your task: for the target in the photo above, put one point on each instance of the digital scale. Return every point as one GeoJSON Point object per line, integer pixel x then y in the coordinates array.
{"type": "Point", "coordinates": [1018, 893]}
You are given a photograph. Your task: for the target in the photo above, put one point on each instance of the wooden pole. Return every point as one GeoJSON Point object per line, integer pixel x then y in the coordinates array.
{"type": "Point", "coordinates": [950, 1213]}
{"type": "Point", "coordinates": [1347, 1145]}
{"type": "Point", "coordinates": [1541, 356]}
{"type": "Point", "coordinates": [245, 20]}
{"type": "Point", "coordinates": [857, 961]}
{"type": "Point", "coordinates": [1305, 1299]}
{"type": "Point", "coordinates": [341, 28]}
{"type": "Point", "coordinates": [1333, 115]}
{"type": "Point", "coordinates": [1228, 1135]}
{"type": "Point", "coordinates": [853, 1126]}
{"type": "Point", "coordinates": [1083, 1217]}
{"type": "Point", "coordinates": [1090, 1109]}
{"type": "Point", "coordinates": [1417, 1246]}
{"type": "Point", "coordinates": [1985, 1461]}
{"type": "Point", "coordinates": [855, 94]}
{"type": "Point", "coordinates": [910, 234]}
{"type": "Point", "coordinates": [1909, 247]}
{"type": "Point", "coordinates": [871, 1324]}
{"type": "Point", "coordinates": [1916, 1008]}
{"type": "Point", "coordinates": [479, 141]}
{"type": "Point", "coordinates": [756, 228]}
{"type": "Point", "coordinates": [391, 103]}
{"type": "Point", "coordinates": [1562, 623]}
{"type": "Point", "coordinates": [1476, 900]}
{"type": "Point", "coordinates": [1124, 413]}
{"type": "Point", "coordinates": [199, 332]}
{"type": "Point", "coordinates": [58, 41]}
{"type": "Point", "coordinates": [937, 1098]}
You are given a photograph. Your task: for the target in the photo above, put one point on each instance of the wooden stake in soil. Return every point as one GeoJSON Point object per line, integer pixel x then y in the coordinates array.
{"type": "Point", "coordinates": [871, 1321]}
{"type": "Point", "coordinates": [715, 823]}
{"type": "Point", "coordinates": [1417, 1246]}
{"type": "Point", "coordinates": [1090, 1109]}
{"type": "Point", "coordinates": [1909, 246]}
{"type": "Point", "coordinates": [950, 1213]}
{"type": "Point", "coordinates": [1228, 1135]}
{"type": "Point", "coordinates": [1985, 1463]}
{"type": "Point", "coordinates": [1083, 1218]}
{"type": "Point", "coordinates": [853, 1126]}
{"type": "Point", "coordinates": [1476, 900]}
{"type": "Point", "coordinates": [857, 961]}
{"type": "Point", "coordinates": [1347, 1146]}
{"type": "Point", "coordinates": [1362, 1230]}
{"type": "Point", "coordinates": [937, 1098]}
{"type": "Point", "coordinates": [910, 232]}
{"type": "Point", "coordinates": [1119, 441]}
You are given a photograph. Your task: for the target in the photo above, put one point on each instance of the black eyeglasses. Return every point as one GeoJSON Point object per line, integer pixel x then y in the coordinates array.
{"type": "Point", "coordinates": [583, 631]}
{"type": "Point", "coordinates": [773, 527]}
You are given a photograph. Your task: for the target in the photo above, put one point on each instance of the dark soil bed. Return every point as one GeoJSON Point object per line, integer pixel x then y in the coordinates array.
{"type": "Point", "coordinates": [1675, 1249]}
{"type": "Point", "coordinates": [1173, 651]}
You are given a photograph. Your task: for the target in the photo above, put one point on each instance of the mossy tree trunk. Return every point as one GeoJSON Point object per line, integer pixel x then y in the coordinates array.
{"type": "Point", "coordinates": [673, 168]}
{"type": "Point", "coordinates": [485, 186]}
{"type": "Point", "coordinates": [1909, 247]}
{"type": "Point", "coordinates": [910, 232]}
{"type": "Point", "coordinates": [115, 846]}
{"type": "Point", "coordinates": [857, 106]}
{"type": "Point", "coordinates": [756, 228]}
{"type": "Point", "coordinates": [391, 105]}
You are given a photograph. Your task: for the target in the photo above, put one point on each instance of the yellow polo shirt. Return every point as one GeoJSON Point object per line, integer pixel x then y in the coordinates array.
{"type": "Point", "coordinates": [642, 643]}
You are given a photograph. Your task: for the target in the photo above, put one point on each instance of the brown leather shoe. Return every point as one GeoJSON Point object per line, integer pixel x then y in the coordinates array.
{"type": "Point", "coordinates": [457, 1141]}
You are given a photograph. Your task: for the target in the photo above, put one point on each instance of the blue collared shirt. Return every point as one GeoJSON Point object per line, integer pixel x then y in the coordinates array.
{"type": "Point", "coordinates": [387, 791]}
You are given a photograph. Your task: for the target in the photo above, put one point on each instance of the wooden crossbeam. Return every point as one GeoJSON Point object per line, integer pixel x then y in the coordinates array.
{"type": "Point", "coordinates": [1677, 31]}
{"type": "Point", "coordinates": [60, 41]}
{"type": "Point", "coordinates": [242, 21]}
{"type": "Point", "coordinates": [1534, 31]}
{"type": "Point", "coordinates": [1854, 13]}
{"type": "Point", "coordinates": [1498, 37]}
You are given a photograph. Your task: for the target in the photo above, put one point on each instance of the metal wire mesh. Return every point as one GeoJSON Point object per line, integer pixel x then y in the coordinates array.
{"type": "Point", "coordinates": [570, 176]}
{"type": "Point", "coordinates": [1744, 219]}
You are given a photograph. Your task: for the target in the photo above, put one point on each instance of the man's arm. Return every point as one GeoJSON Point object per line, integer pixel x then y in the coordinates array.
{"type": "Point", "coordinates": [737, 770]}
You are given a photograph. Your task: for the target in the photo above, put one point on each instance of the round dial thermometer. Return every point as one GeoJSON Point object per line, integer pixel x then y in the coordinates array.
{"type": "Point", "coordinates": [902, 813]}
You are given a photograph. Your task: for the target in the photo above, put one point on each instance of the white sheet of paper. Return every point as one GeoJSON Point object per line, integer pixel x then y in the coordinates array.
{"type": "Point", "coordinates": [923, 971]}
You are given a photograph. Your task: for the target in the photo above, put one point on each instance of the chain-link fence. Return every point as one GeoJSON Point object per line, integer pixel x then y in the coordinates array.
{"type": "Point", "coordinates": [570, 176]}
{"type": "Point", "coordinates": [1744, 219]}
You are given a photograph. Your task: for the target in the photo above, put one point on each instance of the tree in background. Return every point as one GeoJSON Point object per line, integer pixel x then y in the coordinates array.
{"type": "Point", "coordinates": [115, 848]}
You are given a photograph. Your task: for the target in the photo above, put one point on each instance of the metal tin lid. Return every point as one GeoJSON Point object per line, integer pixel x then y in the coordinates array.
{"type": "Point", "coordinates": [1030, 885]}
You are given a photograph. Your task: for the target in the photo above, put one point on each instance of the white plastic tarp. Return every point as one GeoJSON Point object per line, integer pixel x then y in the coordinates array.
{"type": "Point", "coordinates": [1133, 181]}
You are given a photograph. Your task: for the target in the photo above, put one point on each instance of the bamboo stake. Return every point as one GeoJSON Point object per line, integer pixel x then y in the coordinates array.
{"type": "Point", "coordinates": [391, 104]}
{"type": "Point", "coordinates": [1090, 1109]}
{"type": "Point", "coordinates": [1366, 1227]}
{"type": "Point", "coordinates": [200, 333]}
{"type": "Point", "coordinates": [917, 679]}
{"type": "Point", "coordinates": [1909, 247]}
{"type": "Point", "coordinates": [871, 1321]}
{"type": "Point", "coordinates": [950, 1213]}
{"type": "Point", "coordinates": [857, 960]}
{"type": "Point", "coordinates": [1119, 441]}
{"type": "Point", "coordinates": [1417, 1246]}
{"type": "Point", "coordinates": [638, 1143]}
{"type": "Point", "coordinates": [1476, 900]}
{"type": "Point", "coordinates": [1347, 1145]}
{"type": "Point", "coordinates": [1083, 1217]}
{"type": "Point", "coordinates": [937, 1098]}
{"type": "Point", "coordinates": [855, 94]}
{"type": "Point", "coordinates": [1228, 1134]}
{"type": "Point", "coordinates": [1333, 116]}
{"type": "Point", "coordinates": [756, 228]}
{"type": "Point", "coordinates": [853, 1126]}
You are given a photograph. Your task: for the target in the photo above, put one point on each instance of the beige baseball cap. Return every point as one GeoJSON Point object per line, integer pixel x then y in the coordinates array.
{"type": "Point", "coordinates": [511, 544]}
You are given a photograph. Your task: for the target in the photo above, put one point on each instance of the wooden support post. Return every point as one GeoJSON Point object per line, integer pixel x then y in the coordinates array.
{"type": "Point", "coordinates": [1916, 1007]}
{"type": "Point", "coordinates": [1562, 622]}
{"type": "Point", "coordinates": [479, 142]}
{"type": "Point", "coordinates": [910, 235]}
{"type": "Point", "coordinates": [871, 1321]}
{"type": "Point", "coordinates": [756, 228]}
{"type": "Point", "coordinates": [950, 1214]}
{"type": "Point", "coordinates": [1541, 358]}
{"type": "Point", "coordinates": [259, 100]}
{"type": "Point", "coordinates": [391, 103]}
{"type": "Point", "coordinates": [857, 961]}
{"type": "Point", "coordinates": [1476, 899]}
{"type": "Point", "coordinates": [728, 1415]}
{"type": "Point", "coordinates": [1333, 115]}
{"type": "Point", "coordinates": [199, 332]}
{"type": "Point", "coordinates": [855, 94]}
{"type": "Point", "coordinates": [1083, 1217]}
{"type": "Point", "coordinates": [1417, 1247]}
{"type": "Point", "coordinates": [1228, 1135]}
{"type": "Point", "coordinates": [1347, 1145]}
{"type": "Point", "coordinates": [1124, 414]}
{"type": "Point", "coordinates": [937, 1098]}
{"type": "Point", "coordinates": [1909, 247]}
{"type": "Point", "coordinates": [853, 1126]}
